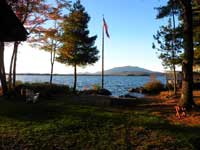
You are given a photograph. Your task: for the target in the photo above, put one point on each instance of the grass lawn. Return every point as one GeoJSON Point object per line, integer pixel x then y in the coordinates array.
{"type": "Point", "coordinates": [61, 125]}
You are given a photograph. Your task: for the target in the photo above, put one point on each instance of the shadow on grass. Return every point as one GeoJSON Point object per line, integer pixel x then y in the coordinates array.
{"type": "Point", "coordinates": [187, 135]}
{"type": "Point", "coordinates": [58, 112]}
{"type": "Point", "coordinates": [31, 112]}
{"type": "Point", "coordinates": [79, 126]}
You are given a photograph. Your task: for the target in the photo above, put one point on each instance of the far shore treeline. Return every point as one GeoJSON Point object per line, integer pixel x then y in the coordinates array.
{"type": "Point", "coordinates": [117, 71]}
{"type": "Point", "coordinates": [80, 74]}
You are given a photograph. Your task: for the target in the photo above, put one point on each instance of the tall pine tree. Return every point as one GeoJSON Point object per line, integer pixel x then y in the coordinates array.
{"type": "Point", "coordinates": [77, 47]}
{"type": "Point", "coordinates": [185, 12]}
{"type": "Point", "coordinates": [169, 43]}
{"type": "Point", "coordinates": [187, 63]}
{"type": "Point", "coordinates": [196, 32]}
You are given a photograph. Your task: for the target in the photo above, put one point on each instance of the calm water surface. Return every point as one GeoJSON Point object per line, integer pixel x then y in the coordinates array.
{"type": "Point", "coordinates": [118, 85]}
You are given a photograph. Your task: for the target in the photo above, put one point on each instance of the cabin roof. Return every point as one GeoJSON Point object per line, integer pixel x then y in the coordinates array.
{"type": "Point", "coordinates": [11, 29]}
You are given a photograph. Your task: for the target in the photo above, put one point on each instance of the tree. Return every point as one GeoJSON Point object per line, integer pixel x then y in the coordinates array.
{"type": "Point", "coordinates": [196, 32]}
{"type": "Point", "coordinates": [169, 38]}
{"type": "Point", "coordinates": [77, 47]}
{"type": "Point", "coordinates": [32, 14]}
{"type": "Point", "coordinates": [184, 10]}
{"type": "Point", "coordinates": [2, 70]}
{"type": "Point", "coordinates": [169, 41]}
{"type": "Point", "coordinates": [48, 38]}
{"type": "Point", "coordinates": [187, 63]}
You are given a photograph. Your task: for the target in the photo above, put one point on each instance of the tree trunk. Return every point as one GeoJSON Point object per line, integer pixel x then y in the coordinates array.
{"type": "Point", "coordinates": [10, 71]}
{"type": "Point", "coordinates": [187, 70]}
{"type": "Point", "coordinates": [175, 79]}
{"type": "Point", "coordinates": [53, 55]}
{"type": "Point", "coordinates": [2, 70]}
{"type": "Point", "coordinates": [11, 67]}
{"type": "Point", "coordinates": [173, 50]}
{"type": "Point", "coordinates": [75, 78]}
{"type": "Point", "coordinates": [51, 75]}
{"type": "Point", "coordinates": [15, 63]}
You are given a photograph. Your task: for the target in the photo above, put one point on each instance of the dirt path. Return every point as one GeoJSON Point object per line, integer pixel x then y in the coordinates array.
{"type": "Point", "coordinates": [163, 106]}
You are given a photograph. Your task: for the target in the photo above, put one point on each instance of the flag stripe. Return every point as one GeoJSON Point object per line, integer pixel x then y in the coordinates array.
{"type": "Point", "coordinates": [106, 28]}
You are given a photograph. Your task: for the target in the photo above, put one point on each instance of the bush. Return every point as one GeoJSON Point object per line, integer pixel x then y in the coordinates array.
{"type": "Point", "coordinates": [153, 87]}
{"type": "Point", "coordinates": [45, 89]}
{"type": "Point", "coordinates": [18, 82]}
{"type": "Point", "coordinates": [96, 87]}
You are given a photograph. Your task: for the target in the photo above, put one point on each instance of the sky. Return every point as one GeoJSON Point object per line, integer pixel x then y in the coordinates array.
{"type": "Point", "coordinates": [131, 24]}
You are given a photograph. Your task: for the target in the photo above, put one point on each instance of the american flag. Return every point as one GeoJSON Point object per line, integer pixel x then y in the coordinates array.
{"type": "Point", "coordinates": [106, 28]}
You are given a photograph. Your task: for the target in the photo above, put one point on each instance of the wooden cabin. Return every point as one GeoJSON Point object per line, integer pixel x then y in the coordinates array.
{"type": "Point", "coordinates": [11, 29]}
{"type": "Point", "coordinates": [170, 79]}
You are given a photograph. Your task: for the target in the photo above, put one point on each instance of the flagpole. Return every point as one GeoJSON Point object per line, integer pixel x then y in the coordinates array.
{"type": "Point", "coordinates": [102, 75]}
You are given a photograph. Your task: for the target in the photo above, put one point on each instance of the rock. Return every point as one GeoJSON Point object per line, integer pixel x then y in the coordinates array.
{"type": "Point", "coordinates": [131, 90]}
{"type": "Point", "coordinates": [137, 90]}
{"type": "Point", "coordinates": [88, 92]}
{"type": "Point", "coordinates": [142, 90]}
{"type": "Point", "coordinates": [104, 92]}
{"type": "Point", "coordinates": [96, 92]}
{"type": "Point", "coordinates": [127, 96]}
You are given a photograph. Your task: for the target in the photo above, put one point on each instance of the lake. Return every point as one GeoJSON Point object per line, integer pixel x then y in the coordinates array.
{"type": "Point", "coordinates": [118, 85]}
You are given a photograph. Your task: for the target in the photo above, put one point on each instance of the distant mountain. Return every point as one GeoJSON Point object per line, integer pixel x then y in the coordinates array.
{"type": "Point", "coordinates": [129, 71]}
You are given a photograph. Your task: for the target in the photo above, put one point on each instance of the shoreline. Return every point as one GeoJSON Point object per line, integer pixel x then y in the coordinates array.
{"type": "Point", "coordinates": [46, 74]}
